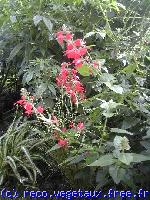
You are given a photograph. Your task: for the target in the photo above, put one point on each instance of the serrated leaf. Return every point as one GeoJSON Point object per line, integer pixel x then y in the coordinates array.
{"type": "Point", "coordinates": [126, 158]}
{"type": "Point", "coordinates": [117, 173]}
{"type": "Point", "coordinates": [48, 23]}
{"type": "Point", "coordinates": [105, 160]}
{"type": "Point", "coordinates": [15, 51]}
{"type": "Point", "coordinates": [117, 130]}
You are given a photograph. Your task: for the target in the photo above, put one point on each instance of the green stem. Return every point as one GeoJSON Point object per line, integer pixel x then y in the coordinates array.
{"type": "Point", "coordinates": [104, 127]}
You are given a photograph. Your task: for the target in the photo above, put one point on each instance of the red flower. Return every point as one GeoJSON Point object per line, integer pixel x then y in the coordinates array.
{"type": "Point", "coordinates": [23, 97]}
{"type": "Point", "coordinates": [82, 51]}
{"type": "Point", "coordinates": [69, 36]}
{"type": "Point", "coordinates": [69, 46]}
{"type": "Point", "coordinates": [78, 87]}
{"type": "Point", "coordinates": [78, 42]}
{"type": "Point", "coordinates": [40, 109]}
{"type": "Point", "coordinates": [28, 108]}
{"type": "Point", "coordinates": [78, 63]}
{"type": "Point", "coordinates": [20, 102]}
{"type": "Point", "coordinates": [63, 142]}
{"type": "Point", "coordinates": [80, 126]}
{"type": "Point", "coordinates": [95, 64]}
{"type": "Point", "coordinates": [60, 37]}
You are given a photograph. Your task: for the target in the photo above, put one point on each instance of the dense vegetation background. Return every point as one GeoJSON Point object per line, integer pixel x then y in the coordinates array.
{"type": "Point", "coordinates": [114, 148]}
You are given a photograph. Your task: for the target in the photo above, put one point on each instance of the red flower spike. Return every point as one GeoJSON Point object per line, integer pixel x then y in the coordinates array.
{"type": "Point", "coordinates": [60, 37]}
{"type": "Point", "coordinates": [69, 46]}
{"type": "Point", "coordinates": [40, 109]}
{"type": "Point", "coordinates": [23, 97]}
{"type": "Point", "coordinates": [69, 36]}
{"type": "Point", "coordinates": [78, 43]}
{"type": "Point", "coordinates": [63, 142]}
{"type": "Point", "coordinates": [80, 126]}
{"type": "Point", "coordinates": [82, 51]}
{"type": "Point", "coordinates": [78, 63]}
{"type": "Point", "coordinates": [20, 102]}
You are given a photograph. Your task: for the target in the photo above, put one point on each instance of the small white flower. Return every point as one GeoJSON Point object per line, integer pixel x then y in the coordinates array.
{"type": "Point", "coordinates": [121, 143]}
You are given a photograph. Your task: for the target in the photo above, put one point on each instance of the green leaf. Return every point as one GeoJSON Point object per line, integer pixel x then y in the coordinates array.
{"type": "Point", "coordinates": [116, 88]}
{"type": "Point", "coordinates": [41, 89]}
{"type": "Point", "coordinates": [15, 51]}
{"type": "Point", "coordinates": [48, 24]}
{"type": "Point", "coordinates": [55, 147]}
{"type": "Point", "coordinates": [130, 68]}
{"type": "Point", "coordinates": [107, 78]}
{"type": "Point", "coordinates": [129, 122]}
{"type": "Point", "coordinates": [52, 89]}
{"type": "Point", "coordinates": [117, 173]}
{"type": "Point", "coordinates": [37, 19]}
{"type": "Point", "coordinates": [29, 76]}
{"type": "Point", "coordinates": [126, 158]}
{"type": "Point", "coordinates": [78, 158]}
{"type": "Point", "coordinates": [140, 157]}
{"type": "Point", "coordinates": [105, 160]}
{"type": "Point", "coordinates": [117, 130]}
{"type": "Point", "coordinates": [89, 34]}
{"type": "Point", "coordinates": [84, 70]}
{"type": "Point", "coordinates": [146, 144]}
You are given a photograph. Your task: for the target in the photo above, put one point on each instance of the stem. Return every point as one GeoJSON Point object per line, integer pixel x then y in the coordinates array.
{"type": "Point", "coordinates": [105, 123]}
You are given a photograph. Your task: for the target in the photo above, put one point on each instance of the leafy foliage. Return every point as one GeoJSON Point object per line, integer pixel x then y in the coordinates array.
{"type": "Point", "coordinates": [115, 113]}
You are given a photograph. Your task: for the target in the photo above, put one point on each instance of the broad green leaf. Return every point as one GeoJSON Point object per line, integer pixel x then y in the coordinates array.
{"type": "Point", "coordinates": [107, 78]}
{"type": "Point", "coordinates": [117, 130]}
{"type": "Point", "coordinates": [117, 173]}
{"type": "Point", "coordinates": [130, 68]}
{"type": "Point", "coordinates": [116, 88]}
{"type": "Point", "coordinates": [129, 122]}
{"type": "Point", "coordinates": [84, 70]}
{"type": "Point", "coordinates": [126, 158]}
{"type": "Point", "coordinates": [140, 157]}
{"type": "Point", "coordinates": [15, 51]}
{"type": "Point", "coordinates": [105, 160]}
{"type": "Point", "coordinates": [48, 23]}
{"type": "Point", "coordinates": [146, 144]}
